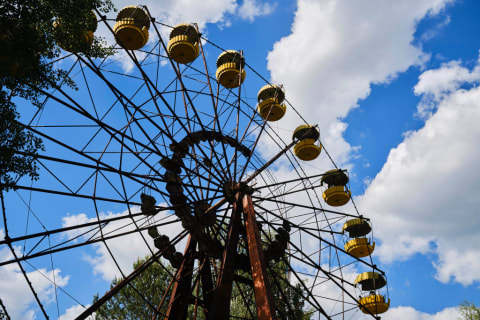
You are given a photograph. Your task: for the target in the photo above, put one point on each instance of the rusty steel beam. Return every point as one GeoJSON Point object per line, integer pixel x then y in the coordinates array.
{"type": "Point", "coordinates": [261, 284]}
{"type": "Point", "coordinates": [269, 162]}
{"type": "Point", "coordinates": [182, 289]}
{"type": "Point", "coordinates": [220, 308]}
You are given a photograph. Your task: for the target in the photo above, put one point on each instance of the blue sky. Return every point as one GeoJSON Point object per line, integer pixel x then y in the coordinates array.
{"type": "Point", "coordinates": [392, 85]}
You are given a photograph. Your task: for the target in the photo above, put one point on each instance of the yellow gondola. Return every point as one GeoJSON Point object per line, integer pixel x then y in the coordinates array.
{"type": "Point", "coordinates": [306, 149]}
{"type": "Point", "coordinates": [230, 69]}
{"type": "Point", "coordinates": [78, 40]}
{"type": "Point", "coordinates": [270, 106]}
{"type": "Point", "coordinates": [359, 247]}
{"type": "Point", "coordinates": [183, 45]}
{"type": "Point", "coordinates": [337, 193]}
{"type": "Point", "coordinates": [337, 196]}
{"type": "Point", "coordinates": [374, 304]}
{"type": "Point", "coordinates": [370, 281]}
{"type": "Point", "coordinates": [131, 28]}
{"type": "Point", "coordinates": [357, 227]}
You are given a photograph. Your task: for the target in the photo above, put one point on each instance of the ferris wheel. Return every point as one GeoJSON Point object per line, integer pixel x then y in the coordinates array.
{"type": "Point", "coordinates": [206, 184]}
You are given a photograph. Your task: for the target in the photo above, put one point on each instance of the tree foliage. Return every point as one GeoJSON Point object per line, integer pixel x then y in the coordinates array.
{"type": "Point", "coordinates": [289, 297]}
{"type": "Point", "coordinates": [469, 311]}
{"type": "Point", "coordinates": [18, 147]}
{"type": "Point", "coordinates": [27, 39]}
{"type": "Point", "coordinates": [28, 33]}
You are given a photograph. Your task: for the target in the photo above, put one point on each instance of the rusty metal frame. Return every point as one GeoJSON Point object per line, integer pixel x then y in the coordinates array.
{"type": "Point", "coordinates": [261, 284]}
{"type": "Point", "coordinates": [220, 308]}
{"type": "Point", "coordinates": [182, 289]}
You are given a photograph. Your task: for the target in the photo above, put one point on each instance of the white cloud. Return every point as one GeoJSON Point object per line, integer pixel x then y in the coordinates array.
{"type": "Point", "coordinates": [74, 311]}
{"type": "Point", "coordinates": [251, 9]}
{"type": "Point", "coordinates": [440, 82]}
{"type": "Point", "coordinates": [461, 265]}
{"type": "Point", "coordinates": [15, 292]}
{"type": "Point", "coordinates": [434, 85]}
{"type": "Point", "coordinates": [337, 50]}
{"type": "Point", "coordinates": [425, 198]}
{"type": "Point", "coordinates": [401, 313]}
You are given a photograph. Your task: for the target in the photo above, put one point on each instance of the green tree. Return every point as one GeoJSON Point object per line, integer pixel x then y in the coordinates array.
{"type": "Point", "coordinates": [28, 29]}
{"type": "Point", "coordinates": [469, 311]}
{"type": "Point", "coordinates": [127, 304]}
{"type": "Point", "coordinates": [288, 297]}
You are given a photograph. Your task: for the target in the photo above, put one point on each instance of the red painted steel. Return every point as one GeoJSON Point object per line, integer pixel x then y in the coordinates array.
{"type": "Point", "coordinates": [261, 284]}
